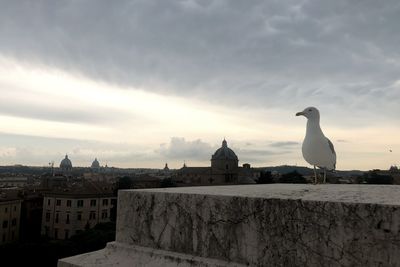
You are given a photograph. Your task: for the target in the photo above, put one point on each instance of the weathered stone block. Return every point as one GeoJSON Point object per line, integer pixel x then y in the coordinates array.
{"type": "Point", "coordinates": [266, 225]}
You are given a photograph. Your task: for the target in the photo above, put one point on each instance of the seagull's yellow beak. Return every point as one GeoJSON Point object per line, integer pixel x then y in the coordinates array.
{"type": "Point", "coordinates": [300, 113]}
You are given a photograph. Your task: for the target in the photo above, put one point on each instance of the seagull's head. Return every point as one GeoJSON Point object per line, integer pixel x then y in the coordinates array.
{"type": "Point", "coordinates": [310, 113]}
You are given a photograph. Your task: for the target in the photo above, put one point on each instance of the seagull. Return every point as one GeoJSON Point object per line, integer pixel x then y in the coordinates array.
{"type": "Point", "coordinates": [317, 149]}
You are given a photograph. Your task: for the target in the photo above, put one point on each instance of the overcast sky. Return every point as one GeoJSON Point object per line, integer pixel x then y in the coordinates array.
{"type": "Point", "coordinates": [141, 83]}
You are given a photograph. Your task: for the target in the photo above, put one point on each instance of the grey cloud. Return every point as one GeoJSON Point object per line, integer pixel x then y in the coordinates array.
{"type": "Point", "coordinates": [180, 149]}
{"type": "Point", "coordinates": [342, 55]}
{"type": "Point", "coordinates": [257, 156]}
{"type": "Point", "coordinates": [60, 110]}
{"type": "Point", "coordinates": [60, 114]}
{"type": "Point", "coordinates": [284, 144]}
{"type": "Point", "coordinates": [33, 150]}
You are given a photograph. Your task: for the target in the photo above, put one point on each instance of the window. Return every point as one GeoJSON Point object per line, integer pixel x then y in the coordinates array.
{"type": "Point", "coordinates": [58, 202]}
{"type": "Point", "coordinates": [92, 215]}
{"type": "Point", "coordinates": [227, 166]}
{"type": "Point", "coordinates": [55, 233]}
{"type": "Point", "coordinates": [80, 203]}
{"type": "Point", "coordinates": [46, 231]}
{"type": "Point", "coordinates": [5, 224]}
{"type": "Point", "coordinates": [5, 210]}
{"type": "Point", "coordinates": [47, 216]}
{"type": "Point", "coordinates": [48, 202]}
{"type": "Point", "coordinates": [104, 214]}
{"type": "Point", "coordinates": [93, 202]}
{"type": "Point", "coordinates": [66, 234]}
{"type": "Point", "coordinates": [12, 235]}
{"type": "Point", "coordinates": [105, 202]}
{"type": "Point", "coordinates": [4, 237]}
{"type": "Point", "coordinates": [69, 203]}
{"type": "Point", "coordinates": [79, 216]}
{"type": "Point", "coordinates": [15, 208]}
{"type": "Point", "coordinates": [14, 222]}
{"type": "Point", "coordinates": [67, 220]}
{"type": "Point", "coordinates": [57, 217]}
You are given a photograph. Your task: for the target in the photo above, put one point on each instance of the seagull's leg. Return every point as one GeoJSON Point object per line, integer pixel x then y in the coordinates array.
{"type": "Point", "coordinates": [324, 175]}
{"type": "Point", "coordinates": [315, 175]}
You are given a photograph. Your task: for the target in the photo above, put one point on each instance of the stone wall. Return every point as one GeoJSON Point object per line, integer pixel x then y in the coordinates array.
{"type": "Point", "coordinates": [265, 225]}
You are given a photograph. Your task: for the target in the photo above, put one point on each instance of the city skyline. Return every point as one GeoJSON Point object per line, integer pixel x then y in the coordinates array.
{"type": "Point", "coordinates": [139, 84]}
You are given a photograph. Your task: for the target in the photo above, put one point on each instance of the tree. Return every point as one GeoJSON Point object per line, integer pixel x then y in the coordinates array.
{"type": "Point", "coordinates": [124, 182]}
{"type": "Point", "coordinates": [292, 177]}
{"type": "Point", "coordinates": [46, 252]}
{"type": "Point", "coordinates": [265, 178]}
{"type": "Point", "coordinates": [373, 177]}
{"type": "Point", "coordinates": [168, 182]}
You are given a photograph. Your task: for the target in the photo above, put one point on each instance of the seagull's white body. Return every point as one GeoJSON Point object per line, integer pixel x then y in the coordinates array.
{"type": "Point", "coordinates": [317, 149]}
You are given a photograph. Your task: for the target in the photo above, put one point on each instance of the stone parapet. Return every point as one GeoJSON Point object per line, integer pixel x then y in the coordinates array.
{"type": "Point", "coordinates": [255, 225]}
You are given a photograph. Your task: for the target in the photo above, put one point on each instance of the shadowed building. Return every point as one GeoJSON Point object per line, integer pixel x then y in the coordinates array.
{"type": "Point", "coordinates": [10, 215]}
{"type": "Point", "coordinates": [69, 210]}
{"type": "Point", "coordinates": [31, 214]}
{"type": "Point", "coordinates": [193, 175]}
{"type": "Point", "coordinates": [224, 165]}
{"type": "Point", "coordinates": [66, 165]}
{"type": "Point", "coordinates": [224, 170]}
{"type": "Point", "coordinates": [95, 166]}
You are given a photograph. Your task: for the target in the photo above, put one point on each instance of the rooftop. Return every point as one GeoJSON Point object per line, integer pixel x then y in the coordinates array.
{"type": "Point", "coordinates": [9, 195]}
{"type": "Point", "coordinates": [88, 188]}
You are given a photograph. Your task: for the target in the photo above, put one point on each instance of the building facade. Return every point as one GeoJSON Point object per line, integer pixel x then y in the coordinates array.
{"type": "Point", "coordinates": [224, 170]}
{"type": "Point", "coordinates": [71, 210]}
{"type": "Point", "coordinates": [95, 167]}
{"type": "Point", "coordinates": [224, 165]}
{"type": "Point", "coordinates": [10, 213]}
{"type": "Point", "coordinates": [31, 215]}
{"type": "Point", "coordinates": [66, 165]}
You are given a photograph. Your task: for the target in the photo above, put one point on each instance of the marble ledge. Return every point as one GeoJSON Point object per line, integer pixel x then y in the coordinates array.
{"type": "Point", "coordinates": [260, 225]}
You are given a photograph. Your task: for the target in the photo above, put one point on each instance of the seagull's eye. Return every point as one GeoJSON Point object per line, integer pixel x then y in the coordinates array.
{"type": "Point", "coordinates": [310, 110]}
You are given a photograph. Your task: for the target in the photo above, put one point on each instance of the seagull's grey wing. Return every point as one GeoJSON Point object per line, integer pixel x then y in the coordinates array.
{"type": "Point", "coordinates": [331, 146]}
{"type": "Point", "coordinates": [333, 152]}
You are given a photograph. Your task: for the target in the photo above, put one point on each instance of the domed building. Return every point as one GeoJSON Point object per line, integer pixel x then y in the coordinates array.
{"type": "Point", "coordinates": [95, 165]}
{"type": "Point", "coordinates": [166, 169]}
{"type": "Point", "coordinates": [224, 165]}
{"type": "Point", "coordinates": [66, 165]}
{"type": "Point", "coordinates": [224, 170]}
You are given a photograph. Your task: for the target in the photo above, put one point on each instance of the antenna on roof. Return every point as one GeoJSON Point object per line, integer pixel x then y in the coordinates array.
{"type": "Point", "coordinates": [51, 164]}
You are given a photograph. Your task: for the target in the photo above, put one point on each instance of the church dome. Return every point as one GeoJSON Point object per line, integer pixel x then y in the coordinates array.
{"type": "Point", "coordinates": [224, 153]}
{"type": "Point", "coordinates": [66, 163]}
{"type": "Point", "coordinates": [166, 167]}
{"type": "Point", "coordinates": [95, 164]}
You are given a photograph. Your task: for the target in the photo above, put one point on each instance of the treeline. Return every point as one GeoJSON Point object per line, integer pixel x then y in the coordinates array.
{"type": "Point", "coordinates": [294, 177]}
